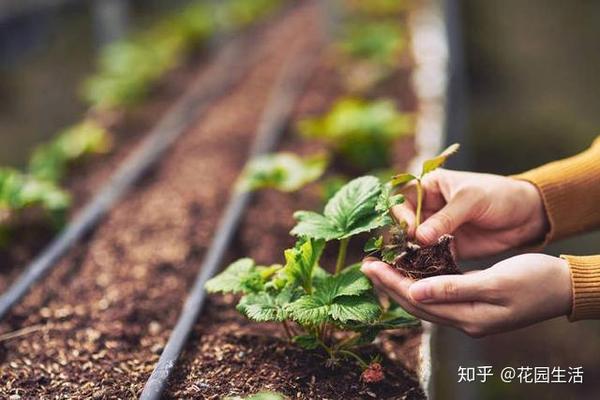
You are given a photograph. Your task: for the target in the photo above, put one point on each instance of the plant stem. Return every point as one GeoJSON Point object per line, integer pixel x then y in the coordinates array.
{"type": "Point", "coordinates": [341, 258]}
{"type": "Point", "coordinates": [419, 203]}
{"type": "Point", "coordinates": [352, 354]}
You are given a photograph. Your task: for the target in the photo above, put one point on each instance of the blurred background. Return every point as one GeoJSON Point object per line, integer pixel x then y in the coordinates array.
{"type": "Point", "coordinates": [526, 92]}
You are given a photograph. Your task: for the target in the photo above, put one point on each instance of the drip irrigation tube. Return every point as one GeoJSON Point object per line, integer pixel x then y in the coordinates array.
{"type": "Point", "coordinates": [222, 73]}
{"type": "Point", "coordinates": [287, 88]}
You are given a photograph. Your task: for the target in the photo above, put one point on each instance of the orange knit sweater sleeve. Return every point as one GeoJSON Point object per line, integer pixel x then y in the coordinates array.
{"type": "Point", "coordinates": [570, 190]}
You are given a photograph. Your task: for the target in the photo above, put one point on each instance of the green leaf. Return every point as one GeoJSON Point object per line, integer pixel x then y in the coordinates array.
{"type": "Point", "coordinates": [307, 342]}
{"type": "Point", "coordinates": [264, 306]}
{"type": "Point", "coordinates": [50, 160]}
{"type": "Point", "coordinates": [349, 212]}
{"type": "Point", "coordinates": [350, 282]}
{"type": "Point", "coordinates": [438, 161]}
{"type": "Point", "coordinates": [337, 298]}
{"type": "Point", "coordinates": [402, 179]}
{"type": "Point", "coordinates": [387, 199]}
{"type": "Point", "coordinates": [282, 171]}
{"type": "Point", "coordinates": [301, 261]}
{"type": "Point", "coordinates": [394, 318]}
{"type": "Point", "coordinates": [373, 244]}
{"type": "Point", "coordinates": [355, 308]}
{"type": "Point", "coordinates": [361, 131]}
{"type": "Point", "coordinates": [380, 41]}
{"type": "Point", "coordinates": [237, 277]}
{"type": "Point", "coordinates": [309, 310]}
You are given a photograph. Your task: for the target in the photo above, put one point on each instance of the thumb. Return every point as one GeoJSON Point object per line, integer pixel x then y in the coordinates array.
{"type": "Point", "coordinates": [447, 220]}
{"type": "Point", "coordinates": [448, 288]}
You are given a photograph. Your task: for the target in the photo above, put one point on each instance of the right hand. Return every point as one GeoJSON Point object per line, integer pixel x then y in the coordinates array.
{"type": "Point", "coordinates": [486, 213]}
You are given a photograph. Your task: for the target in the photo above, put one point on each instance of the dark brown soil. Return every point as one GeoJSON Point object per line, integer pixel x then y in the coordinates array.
{"type": "Point", "coordinates": [96, 325]}
{"type": "Point", "coordinates": [84, 179]}
{"type": "Point", "coordinates": [229, 356]}
{"type": "Point", "coordinates": [418, 262]}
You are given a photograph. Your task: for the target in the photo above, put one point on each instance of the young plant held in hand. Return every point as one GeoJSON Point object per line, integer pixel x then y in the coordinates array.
{"type": "Point", "coordinates": [411, 259]}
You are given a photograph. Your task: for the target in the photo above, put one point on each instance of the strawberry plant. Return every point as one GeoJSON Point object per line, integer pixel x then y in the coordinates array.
{"type": "Point", "coordinates": [282, 171]}
{"type": "Point", "coordinates": [361, 131]}
{"type": "Point", "coordinates": [379, 42]}
{"type": "Point", "coordinates": [334, 309]}
{"type": "Point", "coordinates": [49, 161]}
{"type": "Point", "coordinates": [21, 192]}
{"type": "Point", "coordinates": [127, 69]}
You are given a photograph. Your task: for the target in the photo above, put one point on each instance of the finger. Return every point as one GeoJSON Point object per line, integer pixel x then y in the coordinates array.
{"type": "Point", "coordinates": [447, 220]}
{"type": "Point", "coordinates": [396, 286]}
{"type": "Point", "coordinates": [450, 288]}
{"type": "Point", "coordinates": [406, 212]}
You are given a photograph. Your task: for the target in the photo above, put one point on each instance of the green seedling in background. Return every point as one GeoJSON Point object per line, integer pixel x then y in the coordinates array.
{"type": "Point", "coordinates": [283, 171]}
{"type": "Point", "coordinates": [428, 166]}
{"type": "Point", "coordinates": [309, 301]}
{"type": "Point", "coordinates": [20, 192]}
{"type": "Point", "coordinates": [128, 69]}
{"type": "Point", "coordinates": [379, 42]}
{"type": "Point", "coordinates": [362, 131]}
{"type": "Point", "coordinates": [49, 161]}
{"type": "Point", "coordinates": [377, 8]}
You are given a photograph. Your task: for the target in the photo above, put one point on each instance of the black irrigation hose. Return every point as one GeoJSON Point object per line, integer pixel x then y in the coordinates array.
{"type": "Point", "coordinates": [221, 75]}
{"type": "Point", "coordinates": [289, 85]}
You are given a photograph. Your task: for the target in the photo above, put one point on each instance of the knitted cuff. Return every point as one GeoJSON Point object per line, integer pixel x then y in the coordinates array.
{"type": "Point", "coordinates": [585, 279]}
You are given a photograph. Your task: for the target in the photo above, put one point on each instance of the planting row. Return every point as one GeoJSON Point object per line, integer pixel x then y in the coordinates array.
{"type": "Point", "coordinates": [97, 325]}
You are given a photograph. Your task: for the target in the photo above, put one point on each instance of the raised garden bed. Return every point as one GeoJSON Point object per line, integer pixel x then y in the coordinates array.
{"type": "Point", "coordinates": [96, 326]}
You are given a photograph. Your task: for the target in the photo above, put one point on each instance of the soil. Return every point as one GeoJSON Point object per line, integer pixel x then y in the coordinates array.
{"type": "Point", "coordinates": [418, 262]}
{"type": "Point", "coordinates": [96, 326]}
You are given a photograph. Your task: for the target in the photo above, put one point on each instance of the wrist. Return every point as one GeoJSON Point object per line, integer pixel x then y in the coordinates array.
{"type": "Point", "coordinates": [538, 222]}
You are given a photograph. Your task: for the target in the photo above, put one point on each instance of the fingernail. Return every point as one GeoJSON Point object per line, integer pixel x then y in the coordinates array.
{"type": "Point", "coordinates": [420, 291]}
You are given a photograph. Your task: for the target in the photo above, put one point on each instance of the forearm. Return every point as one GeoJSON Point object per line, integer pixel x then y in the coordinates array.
{"type": "Point", "coordinates": [570, 190]}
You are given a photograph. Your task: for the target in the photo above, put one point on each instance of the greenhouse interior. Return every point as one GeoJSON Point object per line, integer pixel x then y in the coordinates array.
{"type": "Point", "coordinates": [276, 199]}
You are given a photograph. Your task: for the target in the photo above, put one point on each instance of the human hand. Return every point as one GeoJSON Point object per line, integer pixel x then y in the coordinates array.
{"type": "Point", "coordinates": [514, 293]}
{"type": "Point", "coordinates": [486, 213]}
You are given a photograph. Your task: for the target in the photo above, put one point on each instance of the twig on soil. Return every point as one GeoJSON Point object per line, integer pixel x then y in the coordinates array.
{"type": "Point", "coordinates": [21, 332]}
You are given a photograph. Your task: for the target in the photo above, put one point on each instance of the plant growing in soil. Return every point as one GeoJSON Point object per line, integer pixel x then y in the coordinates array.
{"type": "Point", "coordinates": [50, 160]}
{"type": "Point", "coordinates": [361, 131]}
{"type": "Point", "coordinates": [283, 171]}
{"type": "Point", "coordinates": [335, 311]}
{"type": "Point", "coordinates": [409, 258]}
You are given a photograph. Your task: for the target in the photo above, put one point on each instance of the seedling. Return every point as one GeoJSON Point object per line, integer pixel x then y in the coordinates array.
{"type": "Point", "coordinates": [334, 311]}
{"type": "Point", "coordinates": [380, 42]}
{"type": "Point", "coordinates": [409, 258]}
{"type": "Point", "coordinates": [20, 192]}
{"type": "Point", "coordinates": [50, 160]}
{"type": "Point", "coordinates": [361, 131]}
{"type": "Point", "coordinates": [428, 166]}
{"type": "Point", "coordinates": [259, 396]}
{"type": "Point", "coordinates": [283, 171]}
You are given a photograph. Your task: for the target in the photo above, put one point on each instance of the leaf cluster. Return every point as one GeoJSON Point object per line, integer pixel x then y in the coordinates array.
{"type": "Point", "coordinates": [301, 291]}
{"type": "Point", "coordinates": [380, 42]}
{"type": "Point", "coordinates": [361, 131]}
{"type": "Point", "coordinates": [49, 161]}
{"type": "Point", "coordinates": [282, 171]}
{"type": "Point", "coordinates": [19, 191]}
{"type": "Point", "coordinates": [128, 68]}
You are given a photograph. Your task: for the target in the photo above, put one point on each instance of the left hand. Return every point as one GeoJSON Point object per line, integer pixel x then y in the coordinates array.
{"type": "Point", "coordinates": [514, 293]}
